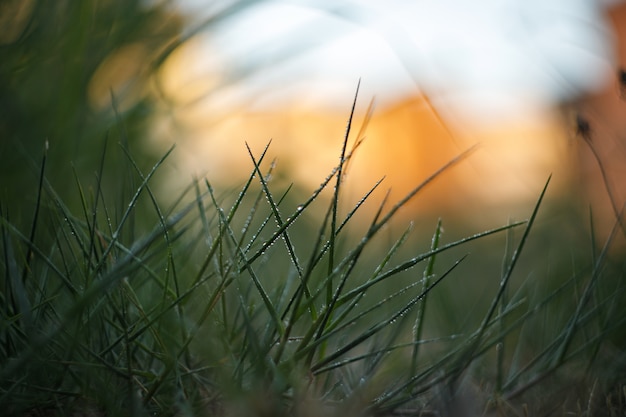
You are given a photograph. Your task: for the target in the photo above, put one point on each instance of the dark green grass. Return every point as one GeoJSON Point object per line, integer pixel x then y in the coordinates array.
{"type": "Point", "coordinates": [232, 305]}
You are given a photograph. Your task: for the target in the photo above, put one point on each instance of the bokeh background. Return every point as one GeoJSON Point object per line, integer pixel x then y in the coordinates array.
{"type": "Point", "coordinates": [210, 76]}
{"type": "Point", "coordinates": [509, 77]}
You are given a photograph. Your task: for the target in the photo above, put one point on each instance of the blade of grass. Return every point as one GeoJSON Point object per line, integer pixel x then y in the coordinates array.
{"type": "Point", "coordinates": [289, 220]}
{"type": "Point", "coordinates": [170, 265]}
{"type": "Point", "coordinates": [345, 311]}
{"type": "Point", "coordinates": [341, 326]}
{"type": "Point", "coordinates": [385, 350]}
{"type": "Point", "coordinates": [585, 131]}
{"type": "Point", "coordinates": [33, 229]}
{"type": "Point", "coordinates": [500, 353]}
{"type": "Point", "coordinates": [414, 261]}
{"type": "Point", "coordinates": [255, 279]}
{"type": "Point", "coordinates": [294, 303]}
{"type": "Point", "coordinates": [595, 276]}
{"type": "Point", "coordinates": [379, 326]}
{"type": "Point", "coordinates": [279, 220]}
{"type": "Point", "coordinates": [421, 308]}
{"type": "Point", "coordinates": [131, 205]}
{"type": "Point", "coordinates": [335, 199]}
{"type": "Point", "coordinates": [216, 244]}
{"type": "Point", "coordinates": [475, 342]}
{"type": "Point", "coordinates": [350, 259]}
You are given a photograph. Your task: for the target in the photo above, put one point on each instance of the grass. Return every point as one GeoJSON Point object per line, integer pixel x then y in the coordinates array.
{"type": "Point", "coordinates": [232, 305]}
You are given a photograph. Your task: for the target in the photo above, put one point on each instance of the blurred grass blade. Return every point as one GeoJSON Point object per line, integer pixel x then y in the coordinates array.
{"type": "Point", "coordinates": [35, 220]}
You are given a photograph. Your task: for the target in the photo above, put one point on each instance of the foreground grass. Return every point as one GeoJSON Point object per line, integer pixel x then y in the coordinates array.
{"type": "Point", "coordinates": [223, 307]}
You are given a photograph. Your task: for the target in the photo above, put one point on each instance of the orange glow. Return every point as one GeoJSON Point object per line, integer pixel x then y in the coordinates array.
{"type": "Point", "coordinates": [405, 143]}
{"type": "Point", "coordinates": [118, 74]}
{"type": "Point", "coordinates": [604, 112]}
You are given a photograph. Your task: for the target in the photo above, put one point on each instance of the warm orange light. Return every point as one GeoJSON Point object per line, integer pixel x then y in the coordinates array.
{"type": "Point", "coordinates": [120, 75]}
{"type": "Point", "coordinates": [405, 143]}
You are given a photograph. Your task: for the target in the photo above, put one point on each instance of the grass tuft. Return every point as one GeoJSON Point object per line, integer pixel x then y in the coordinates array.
{"type": "Point", "coordinates": [232, 305]}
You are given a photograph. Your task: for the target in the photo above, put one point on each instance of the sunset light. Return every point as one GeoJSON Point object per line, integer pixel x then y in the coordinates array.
{"type": "Point", "coordinates": [443, 79]}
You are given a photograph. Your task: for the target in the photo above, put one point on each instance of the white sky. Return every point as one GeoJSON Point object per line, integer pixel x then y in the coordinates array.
{"type": "Point", "coordinates": [485, 55]}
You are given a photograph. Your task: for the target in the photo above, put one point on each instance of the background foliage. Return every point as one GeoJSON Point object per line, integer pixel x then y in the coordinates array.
{"type": "Point", "coordinates": [64, 67]}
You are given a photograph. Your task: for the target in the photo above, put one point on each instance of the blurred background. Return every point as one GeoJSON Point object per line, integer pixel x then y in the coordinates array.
{"type": "Point", "coordinates": [209, 76]}
{"type": "Point", "coordinates": [535, 86]}
{"type": "Point", "coordinates": [510, 77]}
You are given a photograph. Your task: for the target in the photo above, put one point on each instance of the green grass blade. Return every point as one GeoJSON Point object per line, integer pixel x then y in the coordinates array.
{"type": "Point", "coordinates": [379, 326]}
{"type": "Point", "coordinates": [335, 198]}
{"type": "Point", "coordinates": [35, 220]}
{"type": "Point", "coordinates": [421, 308]}
{"type": "Point", "coordinates": [414, 261]}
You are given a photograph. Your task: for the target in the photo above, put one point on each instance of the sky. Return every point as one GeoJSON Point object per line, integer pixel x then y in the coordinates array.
{"type": "Point", "coordinates": [488, 57]}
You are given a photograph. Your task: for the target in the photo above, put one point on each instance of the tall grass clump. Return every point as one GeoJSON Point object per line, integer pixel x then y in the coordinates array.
{"type": "Point", "coordinates": [225, 304]}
